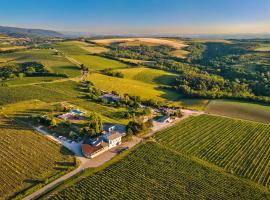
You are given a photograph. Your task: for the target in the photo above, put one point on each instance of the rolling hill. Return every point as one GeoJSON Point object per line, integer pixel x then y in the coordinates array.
{"type": "Point", "coordinates": [26, 32]}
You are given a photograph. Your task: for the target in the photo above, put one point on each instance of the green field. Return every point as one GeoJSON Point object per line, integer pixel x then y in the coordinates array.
{"type": "Point", "coordinates": [53, 63]}
{"type": "Point", "coordinates": [153, 172]}
{"type": "Point", "coordinates": [28, 159]}
{"type": "Point", "coordinates": [145, 83]}
{"type": "Point", "coordinates": [133, 87]}
{"type": "Point", "coordinates": [81, 55]}
{"type": "Point", "coordinates": [249, 111]}
{"type": "Point", "coordinates": [91, 48]}
{"type": "Point", "coordinates": [239, 147]}
{"type": "Point", "coordinates": [148, 75]}
{"type": "Point", "coordinates": [57, 92]}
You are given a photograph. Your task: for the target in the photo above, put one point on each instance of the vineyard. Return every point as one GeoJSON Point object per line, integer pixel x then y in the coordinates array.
{"type": "Point", "coordinates": [28, 159]}
{"type": "Point", "coordinates": [155, 172]}
{"type": "Point", "coordinates": [239, 147]}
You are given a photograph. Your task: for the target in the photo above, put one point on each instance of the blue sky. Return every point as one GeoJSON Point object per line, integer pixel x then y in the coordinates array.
{"type": "Point", "coordinates": [139, 16]}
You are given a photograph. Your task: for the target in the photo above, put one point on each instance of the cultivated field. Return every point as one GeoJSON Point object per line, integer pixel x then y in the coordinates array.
{"type": "Point", "coordinates": [81, 55]}
{"type": "Point", "coordinates": [148, 75]}
{"type": "Point", "coordinates": [28, 159]}
{"type": "Point", "coordinates": [145, 83]}
{"type": "Point", "coordinates": [159, 41]}
{"type": "Point", "coordinates": [239, 147]}
{"type": "Point", "coordinates": [263, 48]}
{"type": "Point", "coordinates": [91, 48]}
{"type": "Point", "coordinates": [154, 172]}
{"type": "Point", "coordinates": [56, 92]}
{"type": "Point", "coordinates": [249, 111]}
{"type": "Point", "coordinates": [180, 53]}
{"type": "Point", "coordinates": [133, 87]}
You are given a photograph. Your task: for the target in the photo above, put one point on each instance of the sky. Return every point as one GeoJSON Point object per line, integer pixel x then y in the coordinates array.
{"type": "Point", "coordinates": [139, 16]}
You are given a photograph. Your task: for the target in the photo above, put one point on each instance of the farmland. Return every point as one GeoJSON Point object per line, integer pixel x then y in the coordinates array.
{"type": "Point", "coordinates": [91, 48]}
{"type": "Point", "coordinates": [28, 159]}
{"type": "Point", "coordinates": [242, 110]}
{"type": "Point", "coordinates": [152, 41]}
{"type": "Point", "coordinates": [56, 92]}
{"type": "Point", "coordinates": [154, 172]}
{"type": "Point", "coordinates": [145, 83]}
{"type": "Point", "coordinates": [54, 63]}
{"type": "Point", "coordinates": [239, 147]}
{"type": "Point", "coordinates": [148, 75]}
{"type": "Point", "coordinates": [133, 87]}
{"type": "Point", "coordinates": [81, 55]}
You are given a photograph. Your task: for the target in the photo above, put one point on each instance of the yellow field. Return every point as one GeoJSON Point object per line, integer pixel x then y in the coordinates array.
{"type": "Point", "coordinates": [12, 48]}
{"type": "Point", "coordinates": [133, 87]}
{"type": "Point", "coordinates": [160, 41]}
{"type": "Point", "coordinates": [180, 53]}
{"type": "Point", "coordinates": [91, 48]}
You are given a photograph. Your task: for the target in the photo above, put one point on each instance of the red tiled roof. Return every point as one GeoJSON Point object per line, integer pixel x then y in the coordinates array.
{"type": "Point", "coordinates": [88, 150]}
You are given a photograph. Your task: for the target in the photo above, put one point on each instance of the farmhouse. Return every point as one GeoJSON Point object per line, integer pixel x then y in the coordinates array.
{"type": "Point", "coordinates": [110, 98]}
{"type": "Point", "coordinates": [93, 151]}
{"type": "Point", "coordinates": [113, 139]}
{"type": "Point", "coordinates": [96, 146]}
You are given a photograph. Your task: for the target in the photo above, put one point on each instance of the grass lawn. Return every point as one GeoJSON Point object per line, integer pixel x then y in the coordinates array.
{"type": "Point", "coordinates": [28, 159]}
{"type": "Point", "coordinates": [249, 111]}
{"type": "Point", "coordinates": [154, 172]}
{"type": "Point", "coordinates": [238, 147]}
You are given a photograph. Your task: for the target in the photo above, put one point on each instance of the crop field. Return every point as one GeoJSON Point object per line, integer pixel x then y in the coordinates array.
{"type": "Point", "coordinates": [23, 93]}
{"type": "Point", "coordinates": [133, 87]}
{"type": "Point", "coordinates": [145, 86]}
{"type": "Point", "coordinates": [249, 111]}
{"type": "Point", "coordinates": [180, 53]}
{"type": "Point", "coordinates": [91, 48]}
{"type": "Point", "coordinates": [98, 63]}
{"type": "Point", "coordinates": [57, 92]}
{"type": "Point", "coordinates": [263, 48]}
{"type": "Point", "coordinates": [159, 41]}
{"type": "Point", "coordinates": [83, 56]}
{"type": "Point", "coordinates": [164, 174]}
{"type": "Point", "coordinates": [148, 75]}
{"type": "Point", "coordinates": [54, 63]}
{"type": "Point", "coordinates": [239, 147]}
{"type": "Point", "coordinates": [28, 159]}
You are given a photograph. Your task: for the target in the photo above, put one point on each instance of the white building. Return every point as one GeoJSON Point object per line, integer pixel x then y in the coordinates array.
{"type": "Point", "coordinates": [114, 139]}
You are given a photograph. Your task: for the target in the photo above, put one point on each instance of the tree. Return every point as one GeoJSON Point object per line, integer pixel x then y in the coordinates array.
{"type": "Point", "coordinates": [95, 126]}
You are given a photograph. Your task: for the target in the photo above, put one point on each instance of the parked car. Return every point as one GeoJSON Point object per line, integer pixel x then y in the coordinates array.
{"type": "Point", "coordinates": [121, 149]}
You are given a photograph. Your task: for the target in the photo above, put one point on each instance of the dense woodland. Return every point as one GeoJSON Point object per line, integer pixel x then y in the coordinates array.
{"type": "Point", "coordinates": [211, 69]}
